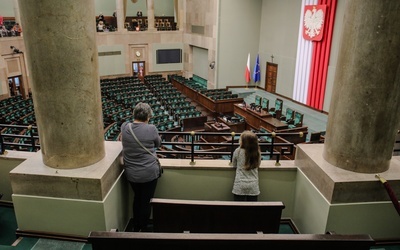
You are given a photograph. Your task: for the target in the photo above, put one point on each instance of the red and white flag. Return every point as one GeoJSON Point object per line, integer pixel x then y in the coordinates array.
{"type": "Point", "coordinates": [247, 72]}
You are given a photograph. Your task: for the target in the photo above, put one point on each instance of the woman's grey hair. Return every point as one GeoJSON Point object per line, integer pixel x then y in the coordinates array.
{"type": "Point", "coordinates": [142, 112]}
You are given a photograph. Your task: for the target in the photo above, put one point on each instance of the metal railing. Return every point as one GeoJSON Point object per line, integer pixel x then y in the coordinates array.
{"type": "Point", "coordinates": [192, 145]}
{"type": "Point", "coordinates": [26, 139]}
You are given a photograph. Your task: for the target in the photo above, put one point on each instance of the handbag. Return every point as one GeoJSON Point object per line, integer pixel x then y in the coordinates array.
{"type": "Point", "coordinates": [161, 171]}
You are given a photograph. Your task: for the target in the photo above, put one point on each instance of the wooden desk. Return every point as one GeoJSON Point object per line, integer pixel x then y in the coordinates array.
{"type": "Point", "coordinates": [212, 127]}
{"type": "Point", "coordinates": [220, 127]}
{"type": "Point", "coordinates": [214, 106]}
{"type": "Point", "coordinates": [273, 124]}
{"type": "Point", "coordinates": [262, 114]}
{"type": "Point", "coordinates": [256, 119]}
{"type": "Point", "coordinates": [252, 119]}
{"type": "Point", "coordinates": [237, 127]}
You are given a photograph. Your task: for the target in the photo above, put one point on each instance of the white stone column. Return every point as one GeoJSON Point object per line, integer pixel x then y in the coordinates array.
{"type": "Point", "coordinates": [177, 13]}
{"type": "Point", "coordinates": [16, 13]}
{"type": "Point", "coordinates": [150, 15]}
{"type": "Point", "coordinates": [364, 113]}
{"type": "Point", "coordinates": [120, 15]}
{"type": "Point", "coordinates": [62, 57]}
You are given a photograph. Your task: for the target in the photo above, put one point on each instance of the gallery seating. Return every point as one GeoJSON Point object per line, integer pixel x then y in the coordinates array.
{"type": "Point", "coordinates": [201, 216]}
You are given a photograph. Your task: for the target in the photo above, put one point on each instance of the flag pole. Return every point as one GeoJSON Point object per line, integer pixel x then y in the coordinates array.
{"type": "Point", "coordinates": [247, 72]}
{"type": "Point", "coordinates": [256, 72]}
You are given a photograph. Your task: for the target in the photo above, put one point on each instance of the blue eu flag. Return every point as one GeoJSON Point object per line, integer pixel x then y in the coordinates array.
{"type": "Point", "coordinates": [256, 72]}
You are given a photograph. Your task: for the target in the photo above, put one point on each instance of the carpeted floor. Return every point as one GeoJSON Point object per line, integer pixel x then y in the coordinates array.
{"type": "Point", "coordinates": [8, 225]}
{"type": "Point", "coordinates": [45, 244]}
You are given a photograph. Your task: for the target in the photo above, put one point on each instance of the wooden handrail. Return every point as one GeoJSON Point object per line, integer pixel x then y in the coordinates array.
{"type": "Point", "coordinates": [125, 240]}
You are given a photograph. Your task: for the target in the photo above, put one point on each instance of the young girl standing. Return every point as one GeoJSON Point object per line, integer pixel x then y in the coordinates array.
{"type": "Point", "coordinates": [246, 159]}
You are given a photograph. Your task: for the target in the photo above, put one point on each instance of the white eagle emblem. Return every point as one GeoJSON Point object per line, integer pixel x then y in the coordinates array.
{"type": "Point", "coordinates": [313, 21]}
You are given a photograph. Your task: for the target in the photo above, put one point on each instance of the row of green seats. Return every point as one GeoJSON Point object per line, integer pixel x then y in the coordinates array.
{"type": "Point", "coordinates": [160, 118]}
{"type": "Point", "coordinates": [183, 110]}
{"type": "Point", "coordinates": [112, 109]}
{"type": "Point", "coordinates": [188, 114]}
{"type": "Point", "coordinates": [15, 115]}
{"type": "Point", "coordinates": [112, 132]}
{"type": "Point", "coordinates": [29, 119]}
{"type": "Point", "coordinates": [10, 100]}
{"type": "Point", "coordinates": [163, 126]}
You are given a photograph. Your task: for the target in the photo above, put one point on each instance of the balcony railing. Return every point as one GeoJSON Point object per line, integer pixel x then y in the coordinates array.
{"type": "Point", "coordinates": [18, 137]}
{"type": "Point", "coordinates": [185, 145]}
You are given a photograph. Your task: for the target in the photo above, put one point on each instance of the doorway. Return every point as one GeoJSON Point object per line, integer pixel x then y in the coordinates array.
{"type": "Point", "coordinates": [270, 77]}
{"type": "Point", "coordinates": [15, 86]}
{"type": "Point", "coordinates": [139, 69]}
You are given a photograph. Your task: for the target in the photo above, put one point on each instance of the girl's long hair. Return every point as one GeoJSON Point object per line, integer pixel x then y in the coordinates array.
{"type": "Point", "coordinates": [249, 142]}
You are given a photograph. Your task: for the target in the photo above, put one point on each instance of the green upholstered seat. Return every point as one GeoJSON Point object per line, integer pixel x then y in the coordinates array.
{"type": "Point", "coordinates": [257, 101]}
{"type": "Point", "coordinates": [264, 138]}
{"type": "Point", "coordinates": [277, 107]}
{"type": "Point", "coordinates": [264, 103]}
{"type": "Point", "coordinates": [297, 120]}
{"type": "Point", "coordinates": [288, 117]}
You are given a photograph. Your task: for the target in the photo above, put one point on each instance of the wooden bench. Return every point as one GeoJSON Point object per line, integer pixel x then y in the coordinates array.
{"type": "Point", "coordinates": [200, 216]}
{"type": "Point", "coordinates": [194, 241]}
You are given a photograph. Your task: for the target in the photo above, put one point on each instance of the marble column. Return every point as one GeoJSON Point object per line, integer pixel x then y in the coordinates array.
{"type": "Point", "coordinates": [365, 107]}
{"type": "Point", "coordinates": [177, 7]}
{"type": "Point", "coordinates": [62, 57]}
{"type": "Point", "coordinates": [150, 15]}
{"type": "Point", "coordinates": [16, 13]}
{"type": "Point", "coordinates": [4, 91]}
{"type": "Point", "coordinates": [120, 15]}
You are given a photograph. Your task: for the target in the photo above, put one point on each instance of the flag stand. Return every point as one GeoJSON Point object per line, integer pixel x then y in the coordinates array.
{"type": "Point", "coordinates": [256, 72]}
{"type": "Point", "coordinates": [247, 72]}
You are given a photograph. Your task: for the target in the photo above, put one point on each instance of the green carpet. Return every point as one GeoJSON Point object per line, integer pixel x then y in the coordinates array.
{"type": "Point", "coordinates": [26, 243]}
{"type": "Point", "coordinates": [285, 228]}
{"type": "Point", "coordinates": [8, 226]}
{"type": "Point", "coordinates": [45, 244]}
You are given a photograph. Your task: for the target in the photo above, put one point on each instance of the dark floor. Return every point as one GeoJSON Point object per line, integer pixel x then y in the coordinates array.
{"type": "Point", "coordinates": [8, 240]}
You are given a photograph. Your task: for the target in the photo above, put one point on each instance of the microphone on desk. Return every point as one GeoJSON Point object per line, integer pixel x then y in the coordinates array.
{"type": "Point", "coordinates": [235, 119]}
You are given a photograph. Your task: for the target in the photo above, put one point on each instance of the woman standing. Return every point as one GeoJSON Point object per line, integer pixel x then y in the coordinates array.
{"type": "Point", "coordinates": [141, 167]}
{"type": "Point", "coordinates": [246, 159]}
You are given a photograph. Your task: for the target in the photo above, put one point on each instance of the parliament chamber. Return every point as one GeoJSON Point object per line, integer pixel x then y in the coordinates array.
{"type": "Point", "coordinates": [178, 105]}
{"type": "Point", "coordinates": [201, 103]}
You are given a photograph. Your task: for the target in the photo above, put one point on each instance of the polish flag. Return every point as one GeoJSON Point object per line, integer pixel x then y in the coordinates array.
{"type": "Point", "coordinates": [247, 73]}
